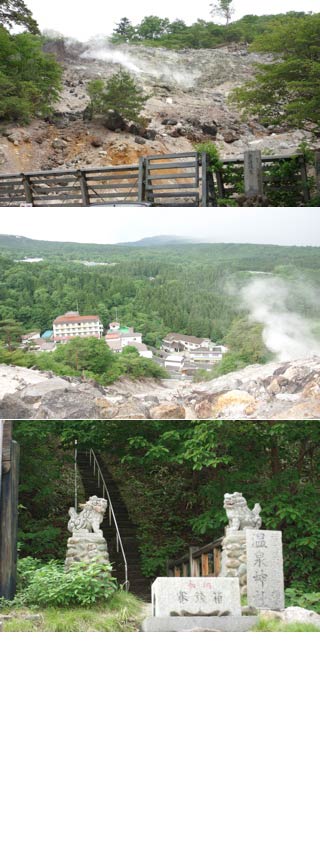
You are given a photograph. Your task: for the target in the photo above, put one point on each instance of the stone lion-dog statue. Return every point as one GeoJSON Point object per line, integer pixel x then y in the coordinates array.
{"type": "Point", "coordinates": [92, 515]}
{"type": "Point", "coordinates": [239, 514]}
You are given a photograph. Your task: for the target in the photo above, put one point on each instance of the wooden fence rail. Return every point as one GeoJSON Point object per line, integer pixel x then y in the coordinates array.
{"type": "Point", "coordinates": [197, 562]}
{"type": "Point", "coordinates": [179, 179]}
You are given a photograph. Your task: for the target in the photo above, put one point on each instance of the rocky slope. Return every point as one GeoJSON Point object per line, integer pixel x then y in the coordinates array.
{"type": "Point", "coordinates": [273, 391]}
{"type": "Point", "coordinates": [187, 103]}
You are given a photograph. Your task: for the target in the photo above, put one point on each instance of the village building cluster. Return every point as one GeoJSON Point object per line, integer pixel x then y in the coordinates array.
{"type": "Point", "coordinates": [72, 325]}
{"type": "Point", "coordinates": [185, 354]}
{"type": "Point", "coordinates": [179, 353]}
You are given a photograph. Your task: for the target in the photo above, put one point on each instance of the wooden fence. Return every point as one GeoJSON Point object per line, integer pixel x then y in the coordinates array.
{"type": "Point", "coordinates": [180, 179]}
{"type": "Point", "coordinates": [197, 562]}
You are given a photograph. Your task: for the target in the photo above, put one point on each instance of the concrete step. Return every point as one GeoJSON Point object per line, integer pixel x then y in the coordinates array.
{"type": "Point", "coordinates": [199, 624]}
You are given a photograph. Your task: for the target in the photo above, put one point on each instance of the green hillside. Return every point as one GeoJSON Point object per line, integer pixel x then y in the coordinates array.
{"type": "Point", "coordinates": [195, 288]}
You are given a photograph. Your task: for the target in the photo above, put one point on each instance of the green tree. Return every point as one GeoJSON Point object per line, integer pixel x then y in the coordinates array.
{"type": "Point", "coordinates": [123, 31]}
{"type": "Point", "coordinates": [30, 80]}
{"type": "Point", "coordinates": [152, 27]}
{"type": "Point", "coordinates": [120, 94]}
{"type": "Point", "coordinates": [223, 8]}
{"type": "Point", "coordinates": [15, 13]}
{"type": "Point", "coordinates": [10, 332]}
{"type": "Point", "coordinates": [288, 89]}
{"type": "Point", "coordinates": [86, 355]}
{"type": "Point", "coordinates": [132, 364]}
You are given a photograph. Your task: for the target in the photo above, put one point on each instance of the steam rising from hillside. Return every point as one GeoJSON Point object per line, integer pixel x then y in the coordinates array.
{"type": "Point", "coordinates": [149, 63]}
{"type": "Point", "coordinates": [100, 49]}
{"type": "Point", "coordinates": [287, 334]}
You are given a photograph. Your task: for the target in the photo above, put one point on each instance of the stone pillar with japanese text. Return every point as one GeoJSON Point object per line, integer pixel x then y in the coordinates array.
{"type": "Point", "coordinates": [265, 579]}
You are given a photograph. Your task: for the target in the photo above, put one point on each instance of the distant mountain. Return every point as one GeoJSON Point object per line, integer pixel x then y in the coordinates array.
{"type": "Point", "coordinates": [161, 240]}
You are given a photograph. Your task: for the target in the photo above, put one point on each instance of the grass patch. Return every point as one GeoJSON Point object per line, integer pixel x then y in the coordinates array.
{"type": "Point", "coordinates": [277, 625]}
{"type": "Point", "coordinates": [122, 613]}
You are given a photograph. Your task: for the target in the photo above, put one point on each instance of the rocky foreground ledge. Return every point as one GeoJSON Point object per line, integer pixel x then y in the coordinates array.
{"type": "Point", "coordinates": [289, 390]}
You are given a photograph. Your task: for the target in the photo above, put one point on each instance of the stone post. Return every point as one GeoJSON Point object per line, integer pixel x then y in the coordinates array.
{"type": "Point", "coordinates": [253, 179]}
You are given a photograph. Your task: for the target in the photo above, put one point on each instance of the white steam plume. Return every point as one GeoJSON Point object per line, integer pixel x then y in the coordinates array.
{"type": "Point", "coordinates": [109, 54]}
{"type": "Point", "coordinates": [287, 334]}
{"type": "Point", "coordinates": [149, 63]}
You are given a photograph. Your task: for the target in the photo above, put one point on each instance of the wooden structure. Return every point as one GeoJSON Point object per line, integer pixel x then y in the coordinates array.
{"type": "Point", "coordinates": [198, 562]}
{"type": "Point", "coordinates": [180, 179]}
{"type": "Point", "coordinates": [9, 460]}
{"type": "Point", "coordinates": [177, 180]}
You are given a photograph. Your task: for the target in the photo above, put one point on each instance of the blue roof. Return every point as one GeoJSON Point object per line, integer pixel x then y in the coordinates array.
{"type": "Point", "coordinates": [47, 334]}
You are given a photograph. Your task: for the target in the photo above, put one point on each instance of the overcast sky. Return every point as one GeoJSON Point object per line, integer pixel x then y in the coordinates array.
{"type": "Point", "coordinates": [120, 224]}
{"type": "Point", "coordinates": [83, 21]}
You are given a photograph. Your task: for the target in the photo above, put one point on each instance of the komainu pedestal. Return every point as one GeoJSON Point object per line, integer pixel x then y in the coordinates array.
{"type": "Point", "coordinates": [87, 542]}
{"type": "Point", "coordinates": [234, 551]}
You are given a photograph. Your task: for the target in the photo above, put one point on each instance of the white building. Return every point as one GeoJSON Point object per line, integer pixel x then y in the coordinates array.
{"type": "Point", "coordinates": [29, 337]}
{"type": "Point", "coordinates": [71, 325]}
{"type": "Point", "coordinates": [118, 337]}
{"type": "Point", "coordinates": [196, 351]}
{"type": "Point", "coordinates": [180, 342]}
{"type": "Point", "coordinates": [174, 362]}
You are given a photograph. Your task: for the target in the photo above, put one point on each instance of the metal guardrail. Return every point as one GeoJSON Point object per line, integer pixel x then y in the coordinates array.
{"type": "Point", "coordinates": [97, 472]}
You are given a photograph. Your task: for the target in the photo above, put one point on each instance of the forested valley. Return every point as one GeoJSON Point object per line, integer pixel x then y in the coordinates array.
{"type": "Point", "coordinates": [155, 286]}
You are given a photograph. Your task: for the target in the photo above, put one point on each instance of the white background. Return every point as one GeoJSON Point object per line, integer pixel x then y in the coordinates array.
{"type": "Point", "coordinates": [78, 19]}
{"type": "Point", "coordinates": [156, 748]}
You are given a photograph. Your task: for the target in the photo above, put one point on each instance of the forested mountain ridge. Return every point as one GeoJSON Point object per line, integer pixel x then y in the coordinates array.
{"type": "Point", "coordinates": [192, 288]}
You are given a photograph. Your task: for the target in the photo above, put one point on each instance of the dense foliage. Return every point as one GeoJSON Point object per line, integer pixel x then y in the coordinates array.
{"type": "Point", "coordinates": [120, 93]}
{"type": "Point", "coordinates": [173, 477]}
{"type": "Point", "coordinates": [30, 80]}
{"type": "Point", "coordinates": [193, 289]}
{"type": "Point", "coordinates": [88, 358]}
{"type": "Point", "coordinates": [288, 89]}
{"type": "Point", "coordinates": [51, 584]}
{"type": "Point", "coordinates": [202, 34]}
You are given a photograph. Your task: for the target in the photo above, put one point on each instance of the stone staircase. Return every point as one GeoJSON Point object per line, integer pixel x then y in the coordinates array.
{"type": "Point", "coordinates": [138, 584]}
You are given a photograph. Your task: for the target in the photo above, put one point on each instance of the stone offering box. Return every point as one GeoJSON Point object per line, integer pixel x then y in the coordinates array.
{"type": "Point", "coordinates": [196, 597]}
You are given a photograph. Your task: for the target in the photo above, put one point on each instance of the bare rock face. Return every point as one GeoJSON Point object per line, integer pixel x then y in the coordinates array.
{"type": "Point", "coordinates": [168, 412]}
{"type": "Point", "coordinates": [187, 102]}
{"type": "Point", "coordinates": [272, 391]}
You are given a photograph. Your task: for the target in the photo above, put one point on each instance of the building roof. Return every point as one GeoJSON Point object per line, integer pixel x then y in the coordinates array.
{"type": "Point", "coordinates": [115, 344]}
{"type": "Point", "coordinates": [44, 345]}
{"type": "Point", "coordinates": [139, 346]}
{"type": "Point", "coordinates": [32, 335]}
{"type": "Point", "coordinates": [74, 318]}
{"type": "Point", "coordinates": [119, 329]}
{"type": "Point", "coordinates": [175, 358]}
{"type": "Point", "coordinates": [47, 334]}
{"type": "Point", "coordinates": [179, 337]}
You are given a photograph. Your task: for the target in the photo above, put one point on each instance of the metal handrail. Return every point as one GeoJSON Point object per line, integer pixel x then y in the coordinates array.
{"type": "Point", "coordinates": [100, 478]}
